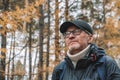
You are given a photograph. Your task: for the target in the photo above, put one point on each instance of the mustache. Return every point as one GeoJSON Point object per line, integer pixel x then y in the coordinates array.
{"type": "Point", "coordinates": [71, 42]}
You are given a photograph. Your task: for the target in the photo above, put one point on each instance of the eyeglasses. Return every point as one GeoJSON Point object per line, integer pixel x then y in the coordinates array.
{"type": "Point", "coordinates": [74, 32]}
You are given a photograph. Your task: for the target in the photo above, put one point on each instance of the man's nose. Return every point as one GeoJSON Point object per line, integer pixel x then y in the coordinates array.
{"type": "Point", "coordinates": [71, 35]}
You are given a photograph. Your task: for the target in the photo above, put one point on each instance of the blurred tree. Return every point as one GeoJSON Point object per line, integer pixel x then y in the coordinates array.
{"type": "Point", "coordinates": [30, 51]}
{"type": "Point", "coordinates": [48, 39]}
{"type": "Point", "coordinates": [13, 53]}
{"type": "Point", "coordinates": [66, 10]}
{"type": "Point", "coordinates": [57, 46]}
{"type": "Point", "coordinates": [41, 26]}
{"type": "Point", "coordinates": [107, 28]}
{"type": "Point", "coordinates": [15, 15]}
{"type": "Point", "coordinates": [3, 43]}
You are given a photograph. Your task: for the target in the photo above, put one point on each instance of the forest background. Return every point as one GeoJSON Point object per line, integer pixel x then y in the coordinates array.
{"type": "Point", "coordinates": [30, 42]}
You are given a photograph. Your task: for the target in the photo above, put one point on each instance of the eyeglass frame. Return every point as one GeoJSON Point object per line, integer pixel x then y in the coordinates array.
{"type": "Point", "coordinates": [74, 32]}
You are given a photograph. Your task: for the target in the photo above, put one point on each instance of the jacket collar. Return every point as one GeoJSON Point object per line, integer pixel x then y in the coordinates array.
{"type": "Point", "coordinates": [93, 55]}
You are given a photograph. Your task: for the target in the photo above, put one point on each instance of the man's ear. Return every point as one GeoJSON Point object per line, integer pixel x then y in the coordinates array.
{"type": "Point", "coordinates": [90, 38]}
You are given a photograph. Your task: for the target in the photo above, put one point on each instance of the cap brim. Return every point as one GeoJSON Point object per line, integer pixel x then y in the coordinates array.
{"type": "Point", "coordinates": [65, 26]}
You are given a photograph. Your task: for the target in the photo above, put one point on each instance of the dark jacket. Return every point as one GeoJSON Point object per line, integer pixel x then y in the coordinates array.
{"type": "Point", "coordinates": [86, 68]}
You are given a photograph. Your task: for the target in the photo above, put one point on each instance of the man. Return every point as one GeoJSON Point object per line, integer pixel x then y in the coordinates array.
{"type": "Point", "coordinates": [84, 60]}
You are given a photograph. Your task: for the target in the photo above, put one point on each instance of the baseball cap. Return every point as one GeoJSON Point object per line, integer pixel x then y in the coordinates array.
{"type": "Point", "coordinates": [83, 25]}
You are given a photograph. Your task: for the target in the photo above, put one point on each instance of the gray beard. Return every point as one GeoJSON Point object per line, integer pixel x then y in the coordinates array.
{"type": "Point", "coordinates": [74, 49]}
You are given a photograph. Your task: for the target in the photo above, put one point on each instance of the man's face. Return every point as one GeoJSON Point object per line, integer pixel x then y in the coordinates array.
{"type": "Point", "coordinates": [76, 39]}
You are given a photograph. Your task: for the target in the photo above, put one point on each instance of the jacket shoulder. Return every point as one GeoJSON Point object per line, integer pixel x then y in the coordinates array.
{"type": "Point", "coordinates": [113, 70]}
{"type": "Point", "coordinates": [58, 70]}
{"type": "Point", "coordinates": [110, 60]}
{"type": "Point", "coordinates": [60, 65]}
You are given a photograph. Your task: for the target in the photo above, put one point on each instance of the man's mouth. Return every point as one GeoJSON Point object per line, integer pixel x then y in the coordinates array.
{"type": "Point", "coordinates": [73, 42]}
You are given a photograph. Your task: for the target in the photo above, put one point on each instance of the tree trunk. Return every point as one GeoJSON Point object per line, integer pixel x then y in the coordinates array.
{"type": "Point", "coordinates": [40, 64]}
{"type": "Point", "coordinates": [35, 60]}
{"type": "Point", "coordinates": [66, 10]}
{"type": "Point", "coordinates": [3, 60]}
{"type": "Point", "coordinates": [3, 55]}
{"type": "Point", "coordinates": [66, 18]}
{"type": "Point", "coordinates": [30, 49]}
{"type": "Point", "coordinates": [12, 77]}
{"type": "Point", "coordinates": [57, 47]}
{"type": "Point", "coordinates": [48, 40]}
{"type": "Point", "coordinates": [5, 4]}
{"type": "Point", "coordinates": [8, 69]}
{"type": "Point", "coordinates": [25, 57]}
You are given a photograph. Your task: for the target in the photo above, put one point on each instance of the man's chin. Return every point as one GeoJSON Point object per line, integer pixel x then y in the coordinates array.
{"type": "Point", "coordinates": [73, 48]}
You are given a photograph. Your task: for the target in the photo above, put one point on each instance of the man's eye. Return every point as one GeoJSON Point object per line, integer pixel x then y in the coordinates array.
{"type": "Point", "coordinates": [67, 32]}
